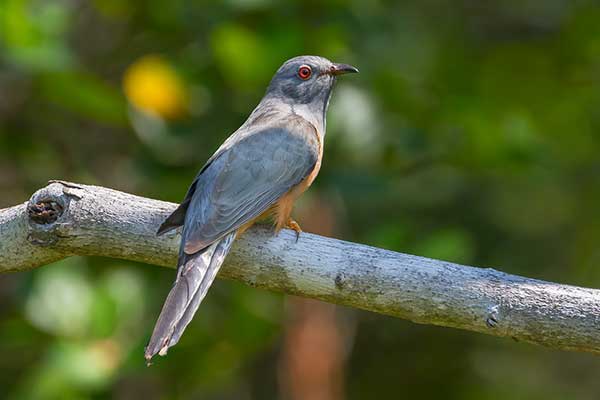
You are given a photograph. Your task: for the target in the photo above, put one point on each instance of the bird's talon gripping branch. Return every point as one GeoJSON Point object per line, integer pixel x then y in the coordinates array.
{"type": "Point", "coordinates": [293, 225]}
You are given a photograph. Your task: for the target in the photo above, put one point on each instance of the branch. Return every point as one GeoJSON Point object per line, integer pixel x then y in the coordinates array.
{"type": "Point", "coordinates": [65, 219]}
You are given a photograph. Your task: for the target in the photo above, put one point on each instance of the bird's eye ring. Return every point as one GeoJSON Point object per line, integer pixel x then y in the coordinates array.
{"type": "Point", "coordinates": [304, 72]}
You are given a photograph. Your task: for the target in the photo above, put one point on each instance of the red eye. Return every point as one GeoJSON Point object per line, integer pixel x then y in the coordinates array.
{"type": "Point", "coordinates": [304, 72]}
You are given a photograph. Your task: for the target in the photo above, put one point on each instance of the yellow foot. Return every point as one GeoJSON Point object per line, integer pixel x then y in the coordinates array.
{"type": "Point", "coordinates": [293, 225]}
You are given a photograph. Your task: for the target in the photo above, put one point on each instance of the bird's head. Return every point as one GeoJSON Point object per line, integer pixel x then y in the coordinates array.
{"type": "Point", "coordinates": [306, 80]}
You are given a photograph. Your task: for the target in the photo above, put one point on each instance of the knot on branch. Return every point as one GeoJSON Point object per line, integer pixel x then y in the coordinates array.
{"type": "Point", "coordinates": [45, 211]}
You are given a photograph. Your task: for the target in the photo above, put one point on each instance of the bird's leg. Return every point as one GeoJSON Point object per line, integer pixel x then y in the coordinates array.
{"type": "Point", "coordinates": [293, 225]}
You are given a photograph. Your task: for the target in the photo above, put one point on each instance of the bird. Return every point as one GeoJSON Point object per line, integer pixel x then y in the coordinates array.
{"type": "Point", "coordinates": [258, 172]}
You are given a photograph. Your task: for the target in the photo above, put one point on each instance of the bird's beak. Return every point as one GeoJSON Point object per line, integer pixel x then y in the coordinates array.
{"type": "Point", "coordinates": [340, 69]}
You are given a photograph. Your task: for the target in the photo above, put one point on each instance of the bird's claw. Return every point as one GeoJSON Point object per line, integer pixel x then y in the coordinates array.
{"type": "Point", "coordinates": [293, 225]}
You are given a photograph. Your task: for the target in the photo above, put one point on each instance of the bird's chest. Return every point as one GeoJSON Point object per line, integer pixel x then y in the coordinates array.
{"type": "Point", "coordinates": [306, 182]}
{"type": "Point", "coordinates": [310, 178]}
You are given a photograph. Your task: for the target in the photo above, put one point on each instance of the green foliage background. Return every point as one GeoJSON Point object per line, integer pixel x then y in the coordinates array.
{"type": "Point", "coordinates": [471, 134]}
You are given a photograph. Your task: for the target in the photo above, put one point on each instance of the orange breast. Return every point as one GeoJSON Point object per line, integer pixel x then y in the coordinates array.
{"type": "Point", "coordinates": [285, 204]}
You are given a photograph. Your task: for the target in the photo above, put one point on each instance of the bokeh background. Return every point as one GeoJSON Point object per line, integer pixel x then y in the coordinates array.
{"type": "Point", "coordinates": [472, 134]}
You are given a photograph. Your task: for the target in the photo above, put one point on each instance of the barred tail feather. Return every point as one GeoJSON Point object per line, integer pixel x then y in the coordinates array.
{"type": "Point", "coordinates": [195, 275]}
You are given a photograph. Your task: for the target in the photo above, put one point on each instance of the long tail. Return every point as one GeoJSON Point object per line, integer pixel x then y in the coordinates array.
{"type": "Point", "coordinates": [195, 275]}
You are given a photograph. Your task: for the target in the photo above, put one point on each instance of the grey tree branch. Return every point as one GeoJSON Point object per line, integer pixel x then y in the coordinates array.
{"type": "Point", "coordinates": [65, 219]}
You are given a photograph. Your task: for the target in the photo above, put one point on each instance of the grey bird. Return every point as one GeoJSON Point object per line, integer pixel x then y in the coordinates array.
{"type": "Point", "coordinates": [258, 172]}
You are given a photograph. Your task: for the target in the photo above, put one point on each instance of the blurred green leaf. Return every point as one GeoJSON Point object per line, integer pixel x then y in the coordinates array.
{"type": "Point", "coordinates": [86, 95]}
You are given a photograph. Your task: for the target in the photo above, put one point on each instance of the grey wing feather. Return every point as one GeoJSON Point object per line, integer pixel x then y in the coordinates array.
{"type": "Point", "coordinates": [245, 180]}
{"type": "Point", "coordinates": [177, 217]}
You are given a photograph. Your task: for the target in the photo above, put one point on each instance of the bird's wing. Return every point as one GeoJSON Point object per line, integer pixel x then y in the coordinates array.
{"type": "Point", "coordinates": [177, 217]}
{"type": "Point", "coordinates": [246, 179]}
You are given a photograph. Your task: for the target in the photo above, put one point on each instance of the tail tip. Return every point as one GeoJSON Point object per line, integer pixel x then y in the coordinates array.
{"type": "Point", "coordinates": [148, 357]}
{"type": "Point", "coordinates": [149, 353]}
